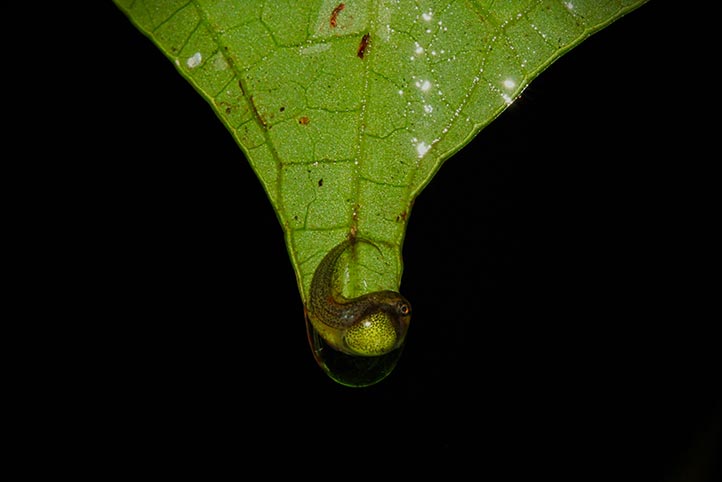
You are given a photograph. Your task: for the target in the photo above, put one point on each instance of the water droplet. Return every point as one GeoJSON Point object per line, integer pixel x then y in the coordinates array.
{"type": "Point", "coordinates": [352, 371]}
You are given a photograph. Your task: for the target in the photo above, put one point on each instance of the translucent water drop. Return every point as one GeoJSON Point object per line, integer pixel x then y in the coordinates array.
{"type": "Point", "coordinates": [349, 370]}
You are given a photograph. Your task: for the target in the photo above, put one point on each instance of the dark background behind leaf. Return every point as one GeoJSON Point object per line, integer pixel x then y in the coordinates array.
{"type": "Point", "coordinates": [560, 322]}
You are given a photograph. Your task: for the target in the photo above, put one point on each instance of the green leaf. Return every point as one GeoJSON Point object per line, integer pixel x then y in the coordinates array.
{"type": "Point", "coordinates": [346, 110]}
{"type": "Point", "coordinates": [277, 141]}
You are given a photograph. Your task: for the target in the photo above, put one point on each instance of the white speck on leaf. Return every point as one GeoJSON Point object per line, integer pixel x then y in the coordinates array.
{"type": "Point", "coordinates": [424, 85]}
{"type": "Point", "coordinates": [509, 84]}
{"type": "Point", "coordinates": [422, 148]}
{"type": "Point", "coordinates": [194, 60]}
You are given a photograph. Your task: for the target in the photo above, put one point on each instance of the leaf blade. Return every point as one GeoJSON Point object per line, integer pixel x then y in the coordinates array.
{"type": "Point", "coordinates": [343, 143]}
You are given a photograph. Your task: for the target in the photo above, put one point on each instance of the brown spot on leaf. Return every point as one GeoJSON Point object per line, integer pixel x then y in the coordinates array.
{"type": "Point", "coordinates": [363, 45]}
{"type": "Point", "coordinates": [303, 121]}
{"type": "Point", "coordinates": [354, 223]}
{"type": "Point", "coordinates": [258, 115]}
{"type": "Point", "coordinates": [333, 21]}
{"type": "Point", "coordinates": [228, 108]}
{"type": "Point", "coordinates": [320, 182]}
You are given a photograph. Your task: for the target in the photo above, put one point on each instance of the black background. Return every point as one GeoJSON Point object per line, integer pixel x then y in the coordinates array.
{"type": "Point", "coordinates": [560, 323]}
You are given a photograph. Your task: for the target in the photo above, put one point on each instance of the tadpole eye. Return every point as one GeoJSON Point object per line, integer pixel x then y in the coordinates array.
{"type": "Point", "coordinates": [404, 308]}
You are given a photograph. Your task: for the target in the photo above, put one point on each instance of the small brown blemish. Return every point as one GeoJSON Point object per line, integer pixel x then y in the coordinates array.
{"type": "Point", "coordinates": [401, 217]}
{"type": "Point", "coordinates": [333, 21]}
{"type": "Point", "coordinates": [363, 45]}
{"type": "Point", "coordinates": [282, 109]}
{"type": "Point", "coordinates": [225, 106]}
{"type": "Point", "coordinates": [354, 223]}
{"type": "Point", "coordinates": [320, 182]}
{"type": "Point", "coordinates": [258, 115]}
{"type": "Point", "coordinates": [303, 121]}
